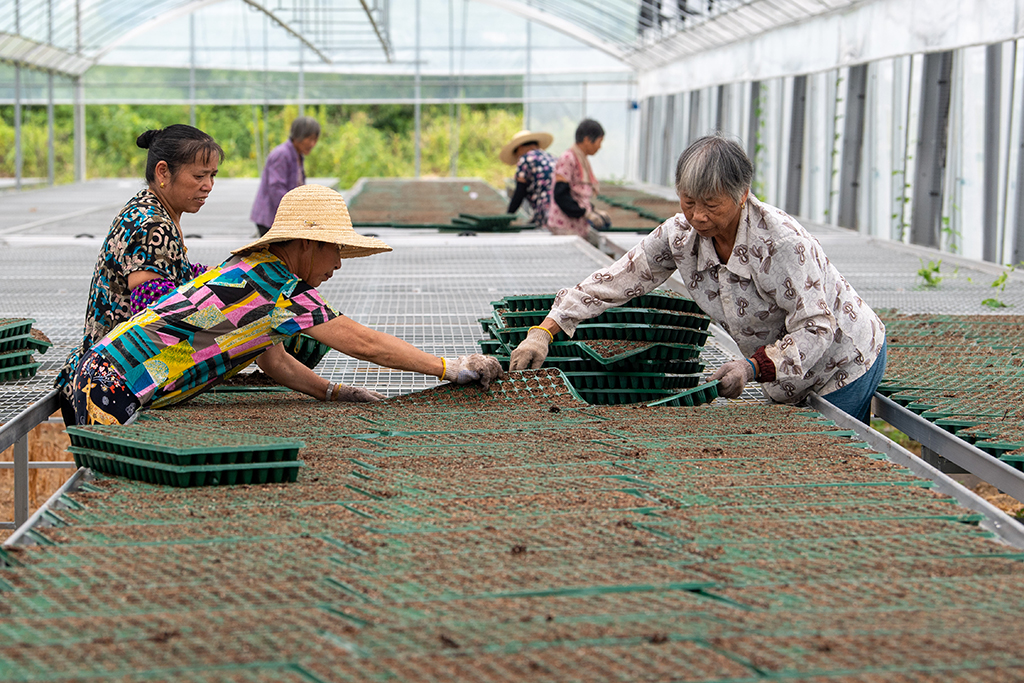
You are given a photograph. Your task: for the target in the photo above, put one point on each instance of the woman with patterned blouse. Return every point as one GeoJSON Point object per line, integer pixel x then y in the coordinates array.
{"type": "Point", "coordinates": [758, 273]}
{"type": "Point", "coordinates": [210, 328]}
{"type": "Point", "coordinates": [535, 173]}
{"type": "Point", "coordinates": [144, 255]}
{"type": "Point", "coordinates": [572, 212]}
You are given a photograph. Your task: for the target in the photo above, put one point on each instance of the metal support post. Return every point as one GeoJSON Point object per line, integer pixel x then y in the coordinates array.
{"type": "Point", "coordinates": [666, 170]}
{"type": "Point", "coordinates": [645, 136]}
{"type": "Point", "coordinates": [754, 123]}
{"type": "Point", "coordinates": [694, 131]}
{"type": "Point", "coordinates": [794, 176]}
{"type": "Point", "coordinates": [930, 159]}
{"type": "Point", "coordinates": [50, 165]}
{"type": "Point", "coordinates": [18, 158]}
{"type": "Point", "coordinates": [990, 186]}
{"type": "Point", "coordinates": [417, 95]}
{"type": "Point", "coordinates": [302, 80]}
{"type": "Point", "coordinates": [853, 146]}
{"type": "Point", "coordinates": [21, 481]}
{"type": "Point", "coordinates": [1018, 221]}
{"type": "Point", "coordinates": [722, 109]}
{"type": "Point", "coordinates": [80, 146]}
{"type": "Point", "coordinates": [192, 69]}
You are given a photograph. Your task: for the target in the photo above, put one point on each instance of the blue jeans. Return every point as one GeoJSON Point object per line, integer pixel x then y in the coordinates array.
{"type": "Point", "coordinates": [855, 398]}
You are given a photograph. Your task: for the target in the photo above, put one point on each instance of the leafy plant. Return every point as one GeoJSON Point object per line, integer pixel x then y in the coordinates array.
{"type": "Point", "coordinates": [930, 273]}
{"type": "Point", "coordinates": [994, 303]}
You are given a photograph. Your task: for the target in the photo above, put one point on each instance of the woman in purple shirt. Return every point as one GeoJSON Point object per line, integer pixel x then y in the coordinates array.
{"type": "Point", "coordinates": [283, 171]}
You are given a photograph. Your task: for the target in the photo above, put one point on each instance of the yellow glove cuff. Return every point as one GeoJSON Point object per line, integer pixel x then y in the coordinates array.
{"type": "Point", "coordinates": [538, 327]}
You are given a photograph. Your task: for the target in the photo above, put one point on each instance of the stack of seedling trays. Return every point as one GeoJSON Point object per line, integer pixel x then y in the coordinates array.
{"type": "Point", "coordinates": [158, 453]}
{"type": "Point", "coordinates": [645, 351]}
{"type": "Point", "coordinates": [17, 344]}
{"type": "Point", "coordinates": [497, 223]}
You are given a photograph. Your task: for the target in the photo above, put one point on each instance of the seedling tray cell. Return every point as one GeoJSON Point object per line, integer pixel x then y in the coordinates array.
{"type": "Point", "coordinates": [24, 342]}
{"type": "Point", "coordinates": [14, 327]}
{"type": "Point", "coordinates": [307, 350]}
{"type": "Point", "coordinates": [16, 372]}
{"type": "Point", "coordinates": [186, 475]}
{"type": "Point", "coordinates": [630, 380]}
{"type": "Point", "coordinates": [699, 395]}
{"type": "Point", "coordinates": [158, 442]}
{"type": "Point", "coordinates": [14, 358]}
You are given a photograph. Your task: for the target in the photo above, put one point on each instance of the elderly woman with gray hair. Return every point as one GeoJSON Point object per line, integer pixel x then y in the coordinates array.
{"type": "Point", "coordinates": [284, 171]}
{"type": "Point", "coordinates": [758, 273]}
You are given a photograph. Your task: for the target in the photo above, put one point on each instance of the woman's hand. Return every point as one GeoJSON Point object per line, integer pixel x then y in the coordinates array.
{"type": "Point", "coordinates": [344, 393]}
{"type": "Point", "coordinates": [475, 367]}
{"type": "Point", "coordinates": [532, 351]}
{"type": "Point", "coordinates": [732, 377]}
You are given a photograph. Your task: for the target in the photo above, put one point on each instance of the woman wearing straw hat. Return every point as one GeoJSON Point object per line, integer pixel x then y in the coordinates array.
{"type": "Point", "coordinates": [210, 328]}
{"type": "Point", "coordinates": [535, 173]}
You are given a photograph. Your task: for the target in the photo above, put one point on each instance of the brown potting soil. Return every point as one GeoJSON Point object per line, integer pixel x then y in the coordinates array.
{"type": "Point", "coordinates": [463, 536]}
{"type": "Point", "coordinates": [403, 202]}
{"type": "Point", "coordinates": [38, 334]}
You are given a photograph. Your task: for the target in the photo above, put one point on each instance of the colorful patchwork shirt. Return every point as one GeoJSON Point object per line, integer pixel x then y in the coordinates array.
{"type": "Point", "coordinates": [210, 328]}
{"type": "Point", "coordinates": [779, 297]}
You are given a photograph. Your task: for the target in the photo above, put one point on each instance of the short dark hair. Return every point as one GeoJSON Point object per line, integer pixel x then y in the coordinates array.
{"type": "Point", "coordinates": [712, 165]}
{"type": "Point", "coordinates": [177, 145]}
{"type": "Point", "coordinates": [304, 127]}
{"type": "Point", "coordinates": [588, 128]}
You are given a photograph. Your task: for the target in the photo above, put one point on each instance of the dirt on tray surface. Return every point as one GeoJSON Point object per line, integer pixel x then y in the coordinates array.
{"type": "Point", "coordinates": [511, 535]}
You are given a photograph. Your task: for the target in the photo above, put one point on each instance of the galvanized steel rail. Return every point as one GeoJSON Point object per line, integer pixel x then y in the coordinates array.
{"type": "Point", "coordinates": [951, 447]}
{"type": "Point", "coordinates": [15, 433]}
{"type": "Point", "coordinates": [996, 521]}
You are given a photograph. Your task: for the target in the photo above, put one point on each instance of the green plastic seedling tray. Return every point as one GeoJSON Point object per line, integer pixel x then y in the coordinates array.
{"type": "Point", "coordinates": [699, 395]}
{"type": "Point", "coordinates": [646, 352]}
{"type": "Point", "coordinates": [14, 358]}
{"type": "Point", "coordinates": [513, 336]}
{"type": "Point", "coordinates": [658, 299]}
{"type": "Point", "coordinates": [641, 381]}
{"type": "Point", "coordinates": [14, 327]}
{"type": "Point", "coordinates": [611, 397]}
{"type": "Point", "coordinates": [492, 347]}
{"type": "Point", "coordinates": [16, 372]}
{"type": "Point", "coordinates": [157, 442]}
{"type": "Point", "coordinates": [307, 350]}
{"type": "Point", "coordinates": [187, 475]}
{"type": "Point", "coordinates": [634, 316]}
{"type": "Point", "coordinates": [24, 342]}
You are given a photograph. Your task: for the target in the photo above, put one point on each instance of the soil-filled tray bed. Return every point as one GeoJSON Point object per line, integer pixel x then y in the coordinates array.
{"type": "Point", "coordinates": [24, 342]}
{"type": "Point", "coordinates": [155, 442]}
{"type": "Point", "coordinates": [14, 373]}
{"type": "Point", "coordinates": [616, 351]}
{"type": "Point", "coordinates": [634, 316]}
{"type": "Point", "coordinates": [14, 327]}
{"type": "Point", "coordinates": [307, 350]}
{"type": "Point", "coordinates": [523, 386]}
{"type": "Point", "coordinates": [574, 364]}
{"type": "Point", "coordinates": [10, 359]}
{"type": "Point", "coordinates": [611, 397]}
{"type": "Point", "coordinates": [187, 475]}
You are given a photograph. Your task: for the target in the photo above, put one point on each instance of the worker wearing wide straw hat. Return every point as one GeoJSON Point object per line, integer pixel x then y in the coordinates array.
{"type": "Point", "coordinates": [535, 173]}
{"type": "Point", "coordinates": [210, 328]}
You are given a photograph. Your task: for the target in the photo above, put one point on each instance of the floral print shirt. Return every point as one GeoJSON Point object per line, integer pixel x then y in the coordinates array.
{"type": "Point", "coordinates": [778, 295]}
{"type": "Point", "coordinates": [536, 168]}
{"type": "Point", "coordinates": [141, 237]}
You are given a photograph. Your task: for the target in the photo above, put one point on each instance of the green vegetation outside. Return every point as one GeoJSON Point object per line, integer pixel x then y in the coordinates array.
{"type": "Point", "coordinates": [356, 141]}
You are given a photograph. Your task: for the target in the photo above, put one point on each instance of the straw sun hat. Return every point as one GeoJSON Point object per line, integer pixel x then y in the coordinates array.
{"type": "Point", "coordinates": [508, 152]}
{"type": "Point", "coordinates": [315, 212]}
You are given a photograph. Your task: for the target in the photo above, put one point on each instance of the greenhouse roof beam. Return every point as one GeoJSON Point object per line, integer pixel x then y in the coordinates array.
{"type": "Point", "coordinates": [376, 29]}
{"type": "Point", "coordinates": [571, 29]}
{"type": "Point", "coordinates": [196, 5]}
{"type": "Point", "coordinates": [25, 52]}
{"type": "Point", "coordinates": [734, 23]}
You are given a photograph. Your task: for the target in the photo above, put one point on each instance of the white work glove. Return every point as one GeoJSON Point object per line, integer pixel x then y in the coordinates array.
{"type": "Point", "coordinates": [599, 219]}
{"type": "Point", "coordinates": [732, 377]}
{"type": "Point", "coordinates": [532, 351]}
{"type": "Point", "coordinates": [347, 394]}
{"type": "Point", "coordinates": [475, 367]}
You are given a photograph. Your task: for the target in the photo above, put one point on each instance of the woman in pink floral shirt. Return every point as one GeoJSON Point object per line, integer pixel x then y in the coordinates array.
{"type": "Point", "coordinates": [572, 211]}
{"type": "Point", "coordinates": [758, 273]}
